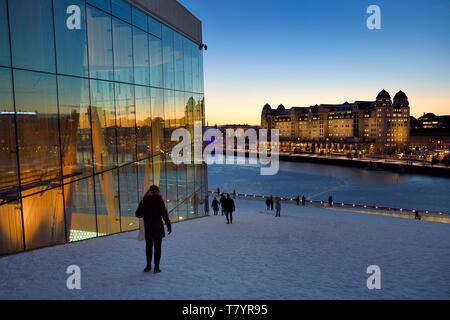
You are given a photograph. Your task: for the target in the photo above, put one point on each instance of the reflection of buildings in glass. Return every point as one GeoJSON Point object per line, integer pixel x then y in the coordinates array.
{"type": "Point", "coordinates": [376, 125]}
{"type": "Point", "coordinates": [81, 143]}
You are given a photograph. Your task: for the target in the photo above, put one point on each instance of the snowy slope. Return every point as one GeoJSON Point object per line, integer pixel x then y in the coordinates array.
{"type": "Point", "coordinates": [308, 253]}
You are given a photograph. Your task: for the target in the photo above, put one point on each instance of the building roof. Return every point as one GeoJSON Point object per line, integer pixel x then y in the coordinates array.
{"type": "Point", "coordinates": [383, 95]}
{"type": "Point", "coordinates": [400, 96]}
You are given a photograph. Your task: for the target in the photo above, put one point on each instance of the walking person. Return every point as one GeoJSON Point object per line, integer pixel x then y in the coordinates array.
{"type": "Point", "coordinates": [271, 203]}
{"type": "Point", "coordinates": [303, 201]}
{"type": "Point", "coordinates": [222, 201]}
{"type": "Point", "coordinates": [330, 201]}
{"type": "Point", "coordinates": [297, 200]}
{"type": "Point", "coordinates": [417, 215]}
{"type": "Point", "coordinates": [234, 193]}
{"type": "Point", "coordinates": [278, 207]}
{"type": "Point", "coordinates": [153, 209]}
{"type": "Point", "coordinates": [218, 191]}
{"type": "Point", "coordinates": [229, 209]}
{"type": "Point", "coordinates": [268, 203]}
{"type": "Point", "coordinates": [215, 206]}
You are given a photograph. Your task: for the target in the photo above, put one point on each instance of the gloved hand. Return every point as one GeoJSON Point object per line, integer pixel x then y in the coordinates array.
{"type": "Point", "coordinates": [169, 230]}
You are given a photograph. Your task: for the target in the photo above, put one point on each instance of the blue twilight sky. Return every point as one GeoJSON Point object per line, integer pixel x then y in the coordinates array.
{"type": "Point", "coordinates": [303, 52]}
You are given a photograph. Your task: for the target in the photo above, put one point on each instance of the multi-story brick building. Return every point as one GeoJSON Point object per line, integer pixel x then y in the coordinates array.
{"type": "Point", "coordinates": [372, 126]}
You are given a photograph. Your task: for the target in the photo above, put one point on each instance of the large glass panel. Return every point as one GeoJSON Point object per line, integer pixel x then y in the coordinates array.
{"type": "Point", "coordinates": [43, 218]}
{"type": "Point", "coordinates": [126, 123]}
{"type": "Point", "coordinates": [129, 196]}
{"type": "Point", "coordinates": [32, 38]}
{"type": "Point", "coordinates": [187, 56]}
{"type": "Point", "coordinates": [143, 122]}
{"type": "Point", "coordinates": [195, 67]}
{"type": "Point", "coordinates": [157, 96]}
{"type": "Point", "coordinates": [103, 116]}
{"type": "Point", "coordinates": [123, 51]}
{"type": "Point", "coordinates": [159, 174]}
{"type": "Point", "coordinates": [178, 53]}
{"type": "Point", "coordinates": [156, 62]}
{"type": "Point", "coordinates": [154, 27]}
{"type": "Point", "coordinates": [102, 4]}
{"type": "Point", "coordinates": [121, 9]}
{"type": "Point", "coordinates": [202, 82]}
{"type": "Point", "coordinates": [145, 176]}
{"type": "Point", "coordinates": [139, 18]}
{"type": "Point", "coordinates": [107, 201]}
{"type": "Point", "coordinates": [76, 133]}
{"type": "Point", "coordinates": [100, 44]}
{"type": "Point", "coordinates": [141, 57]}
{"type": "Point", "coordinates": [79, 199]}
{"type": "Point", "coordinates": [37, 126]}
{"type": "Point", "coordinates": [168, 60]}
{"type": "Point", "coordinates": [71, 44]}
{"type": "Point", "coordinates": [4, 36]}
{"type": "Point", "coordinates": [11, 234]}
{"type": "Point", "coordinates": [8, 150]}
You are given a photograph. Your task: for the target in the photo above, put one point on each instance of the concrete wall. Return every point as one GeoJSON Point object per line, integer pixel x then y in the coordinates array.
{"type": "Point", "coordinates": [173, 14]}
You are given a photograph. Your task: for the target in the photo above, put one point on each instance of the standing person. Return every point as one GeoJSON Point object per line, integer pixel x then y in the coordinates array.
{"type": "Point", "coordinates": [215, 206]}
{"type": "Point", "coordinates": [330, 201]}
{"type": "Point", "coordinates": [271, 203]}
{"type": "Point", "coordinates": [229, 209]}
{"type": "Point", "coordinates": [153, 209]}
{"type": "Point", "coordinates": [297, 200]}
{"type": "Point", "coordinates": [303, 201]}
{"type": "Point", "coordinates": [268, 203]}
{"type": "Point", "coordinates": [278, 207]}
{"type": "Point", "coordinates": [417, 215]}
{"type": "Point", "coordinates": [194, 202]}
{"type": "Point", "coordinates": [234, 193]}
{"type": "Point", "coordinates": [218, 191]}
{"type": "Point", "coordinates": [222, 201]}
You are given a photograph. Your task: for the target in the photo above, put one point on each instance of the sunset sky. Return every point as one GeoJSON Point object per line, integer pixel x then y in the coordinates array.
{"type": "Point", "coordinates": [301, 53]}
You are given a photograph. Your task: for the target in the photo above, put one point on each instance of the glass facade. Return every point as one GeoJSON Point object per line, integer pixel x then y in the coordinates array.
{"type": "Point", "coordinates": [86, 116]}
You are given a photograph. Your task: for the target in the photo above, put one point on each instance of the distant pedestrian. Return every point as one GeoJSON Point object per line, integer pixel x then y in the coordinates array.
{"type": "Point", "coordinates": [297, 200]}
{"type": "Point", "coordinates": [278, 207]}
{"type": "Point", "coordinates": [207, 205]}
{"type": "Point", "coordinates": [271, 203]}
{"type": "Point", "coordinates": [222, 203]}
{"type": "Point", "coordinates": [268, 203]}
{"type": "Point", "coordinates": [218, 191]}
{"type": "Point", "coordinates": [234, 193]}
{"type": "Point", "coordinates": [229, 209]}
{"type": "Point", "coordinates": [330, 201]}
{"type": "Point", "coordinates": [417, 215]}
{"type": "Point", "coordinates": [215, 206]}
{"type": "Point", "coordinates": [303, 201]}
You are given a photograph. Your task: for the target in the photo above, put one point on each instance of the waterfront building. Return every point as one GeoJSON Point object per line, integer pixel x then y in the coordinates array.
{"type": "Point", "coordinates": [86, 113]}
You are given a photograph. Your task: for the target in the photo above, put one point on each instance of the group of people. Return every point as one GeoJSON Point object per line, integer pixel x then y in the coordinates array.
{"type": "Point", "coordinates": [270, 201]}
{"type": "Point", "coordinates": [226, 203]}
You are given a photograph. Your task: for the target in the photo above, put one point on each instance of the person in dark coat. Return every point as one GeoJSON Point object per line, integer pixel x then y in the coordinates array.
{"type": "Point", "coordinates": [215, 206]}
{"type": "Point", "coordinates": [297, 200]}
{"type": "Point", "coordinates": [153, 209]}
{"type": "Point", "coordinates": [229, 209]}
{"type": "Point", "coordinates": [303, 200]}
{"type": "Point", "coordinates": [222, 201]}
{"type": "Point", "coordinates": [268, 204]}
{"type": "Point", "coordinates": [218, 191]}
{"type": "Point", "coordinates": [330, 201]}
{"type": "Point", "coordinates": [278, 207]}
{"type": "Point", "coordinates": [271, 203]}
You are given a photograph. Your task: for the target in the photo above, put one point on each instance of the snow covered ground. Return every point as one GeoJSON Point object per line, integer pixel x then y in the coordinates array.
{"type": "Point", "coordinates": [308, 253]}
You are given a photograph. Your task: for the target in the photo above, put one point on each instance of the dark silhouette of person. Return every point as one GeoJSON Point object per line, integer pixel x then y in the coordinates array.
{"type": "Point", "coordinates": [271, 203]}
{"type": "Point", "coordinates": [303, 200]}
{"type": "Point", "coordinates": [297, 200]}
{"type": "Point", "coordinates": [222, 203]}
{"type": "Point", "coordinates": [229, 209]}
{"type": "Point", "coordinates": [153, 209]}
{"type": "Point", "coordinates": [215, 206]}
{"type": "Point", "coordinates": [194, 202]}
{"type": "Point", "coordinates": [234, 193]}
{"type": "Point", "coordinates": [417, 215]}
{"type": "Point", "coordinates": [330, 201]}
{"type": "Point", "coordinates": [207, 205]}
{"type": "Point", "coordinates": [218, 191]}
{"type": "Point", "coordinates": [278, 207]}
{"type": "Point", "coordinates": [268, 204]}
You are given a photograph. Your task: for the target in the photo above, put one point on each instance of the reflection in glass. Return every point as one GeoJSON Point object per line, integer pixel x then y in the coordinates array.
{"type": "Point", "coordinates": [123, 51]}
{"type": "Point", "coordinates": [107, 200]}
{"type": "Point", "coordinates": [79, 199]}
{"type": "Point", "coordinates": [195, 68]}
{"type": "Point", "coordinates": [32, 39]}
{"type": "Point", "coordinates": [43, 218]}
{"type": "Point", "coordinates": [75, 127]}
{"type": "Point", "coordinates": [100, 44]}
{"type": "Point", "coordinates": [156, 62]}
{"type": "Point", "coordinates": [11, 235]}
{"type": "Point", "coordinates": [187, 56]}
{"type": "Point", "coordinates": [154, 27]}
{"type": "Point", "coordinates": [103, 117]}
{"type": "Point", "coordinates": [168, 60]}
{"type": "Point", "coordinates": [145, 176]}
{"type": "Point", "coordinates": [121, 9]}
{"type": "Point", "coordinates": [37, 129]}
{"type": "Point", "coordinates": [178, 61]}
{"type": "Point", "coordinates": [126, 123]}
{"type": "Point", "coordinates": [139, 18]}
{"type": "Point", "coordinates": [157, 96]}
{"type": "Point", "coordinates": [129, 198]}
{"type": "Point", "coordinates": [141, 57]}
{"type": "Point", "coordinates": [4, 36]}
{"type": "Point", "coordinates": [102, 4]}
{"type": "Point", "coordinates": [71, 44]}
{"type": "Point", "coordinates": [143, 122]}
